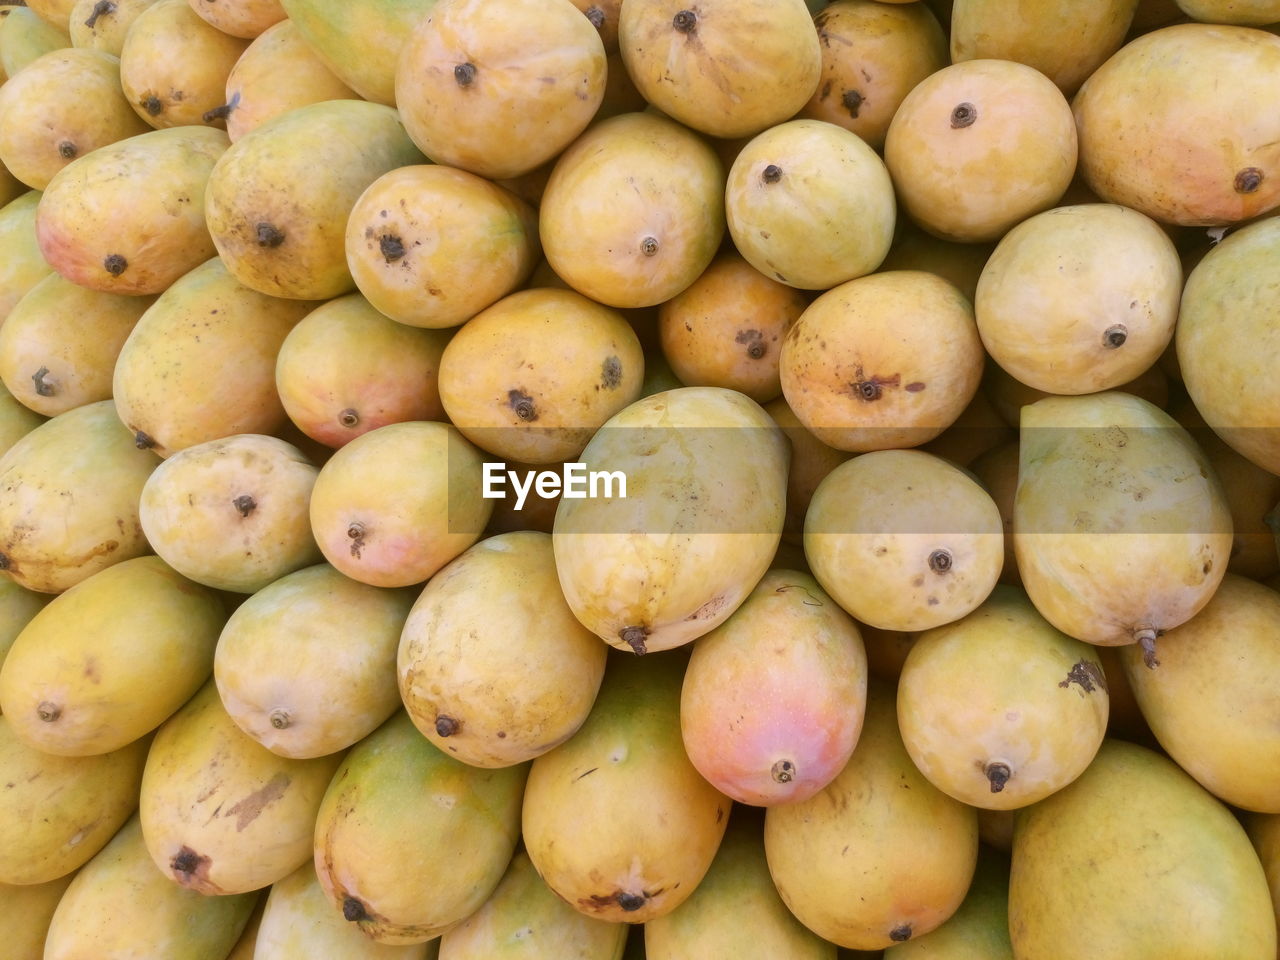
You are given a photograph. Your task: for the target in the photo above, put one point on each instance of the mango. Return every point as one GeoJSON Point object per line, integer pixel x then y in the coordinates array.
{"type": "Point", "coordinates": [25, 913]}
{"type": "Point", "coordinates": [16, 420]}
{"type": "Point", "coordinates": [359, 41]}
{"type": "Point", "coordinates": [396, 504]}
{"type": "Point", "coordinates": [289, 673]}
{"type": "Point", "coordinates": [398, 800]}
{"type": "Point", "coordinates": [300, 922]}
{"type": "Point", "coordinates": [25, 36]}
{"type": "Point", "coordinates": [432, 246]}
{"type": "Point", "coordinates": [279, 199]}
{"type": "Point", "coordinates": [1111, 488]}
{"type": "Point", "coordinates": [1080, 298]}
{"type": "Point", "coordinates": [978, 429]}
{"type": "Point", "coordinates": [979, 146]}
{"type": "Point", "coordinates": [345, 369]}
{"type": "Point", "coordinates": [220, 813]}
{"type": "Point", "coordinates": [50, 359]}
{"type": "Point", "coordinates": [243, 950]}
{"type": "Point", "coordinates": [997, 471]}
{"type": "Point", "coordinates": [629, 242]}
{"type": "Point", "coordinates": [772, 701]}
{"type": "Point", "coordinates": [811, 461]}
{"type": "Point", "coordinates": [513, 395]}
{"type": "Point", "coordinates": [880, 856]}
{"type": "Point", "coordinates": [120, 903]}
{"type": "Point", "coordinates": [524, 919]}
{"type": "Point", "coordinates": [174, 66]}
{"type": "Point", "coordinates": [65, 104]}
{"type": "Point", "coordinates": [109, 660]}
{"type": "Point", "coordinates": [22, 264]}
{"type": "Point", "coordinates": [103, 24]}
{"type": "Point", "coordinates": [56, 12]}
{"type": "Point", "coordinates": [1064, 41]}
{"type": "Point", "coordinates": [1137, 860]}
{"type": "Point", "coordinates": [57, 812]}
{"type": "Point", "coordinates": [240, 18]}
{"type": "Point", "coordinates": [1009, 395]}
{"type": "Point", "coordinates": [17, 606]}
{"type": "Point", "coordinates": [254, 96]}
{"type": "Point", "coordinates": [493, 668]}
{"type": "Point", "coordinates": [959, 263]}
{"type": "Point", "coordinates": [499, 87]}
{"type": "Point", "coordinates": [1226, 343]}
{"type": "Point", "coordinates": [873, 54]}
{"type": "Point", "coordinates": [200, 363]}
{"type": "Point", "coordinates": [1208, 699]}
{"type": "Point", "coordinates": [617, 820]}
{"type": "Point", "coordinates": [903, 540]}
{"type": "Point", "coordinates": [726, 68]}
{"type": "Point", "coordinates": [705, 472]}
{"type": "Point", "coordinates": [232, 513]}
{"type": "Point", "coordinates": [979, 929]}
{"type": "Point", "coordinates": [736, 910]}
{"type": "Point", "coordinates": [69, 499]}
{"type": "Point", "coordinates": [882, 361]}
{"type": "Point", "coordinates": [791, 190]}
{"type": "Point", "coordinates": [1264, 832]}
{"type": "Point", "coordinates": [130, 217]}
{"type": "Point", "coordinates": [1028, 724]}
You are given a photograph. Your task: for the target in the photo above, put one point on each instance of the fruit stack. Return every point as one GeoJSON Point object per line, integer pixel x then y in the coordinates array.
{"type": "Point", "coordinates": [575, 479]}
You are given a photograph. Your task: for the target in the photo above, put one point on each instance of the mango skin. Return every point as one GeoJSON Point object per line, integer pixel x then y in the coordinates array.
{"type": "Point", "coordinates": [1110, 488]}
{"type": "Point", "coordinates": [57, 812]}
{"type": "Point", "coordinates": [240, 18]}
{"type": "Point", "coordinates": [524, 920]}
{"type": "Point", "coordinates": [300, 922]}
{"type": "Point", "coordinates": [130, 217]}
{"type": "Point", "coordinates": [22, 265]}
{"type": "Point", "coordinates": [108, 29]}
{"type": "Point", "coordinates": [17, 606]}
{"type": "Point", "coordinates": [110, 659]}
{"type": "Point", "coordinates": [979, 929]}
{"type": "Point", "coordinates": [880, 855]}
{"type": "Point", "coordinates": [1264, 833]}
{"type": "Point", "coordinates": [69, 494]}
{"type": "Point", "coordinates": [1209, 699]}
{"type": "Point", "coordinates": [398, 799]}
{"type": "Point", "coordinates": [286, 658]}
{"type": "Point", "coordinates": [491, 645]}
{"type": "Point", "coordinates": [278, 200]}
{"type": "Point", "coordinates": [1171, 876]}
{"type": "Point", "coordinates": [772, 700]}
{"type": "Point", "coordinates": [736, 910]}
{"type": "Point", "coordinates": [119, 907]}
{"type": "Point", "coordinates": [706, 473]}
{"type": "Point", "coordinates": [220, 813]}
{"type": "Point", "coordinates": [25, 913]}
{"type": "Point", "coordinates": [25, 36]}
{"type": "Point", "coordinates": [617, 821]}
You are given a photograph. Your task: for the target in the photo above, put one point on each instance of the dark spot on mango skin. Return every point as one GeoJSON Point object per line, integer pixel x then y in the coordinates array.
{"type": "Point", "coordinates": [611, 373]}
{"type": "Point", "coordinates": [900, 934]}
{"type": "Point", "coordinates": [251, 807]}
{"type": "Point", "coordinates": [190, 868]}
{"type": "Point", "coordinates": [1088, 675]}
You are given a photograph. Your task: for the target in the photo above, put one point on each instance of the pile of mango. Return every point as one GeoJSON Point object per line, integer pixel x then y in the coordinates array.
{"type": "Point", "coordinates": [587, 479]}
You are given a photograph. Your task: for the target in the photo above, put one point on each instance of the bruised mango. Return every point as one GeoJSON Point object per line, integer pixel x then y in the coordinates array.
{"type": "Point", "coordinates": [397, 799]}
{"type": "Point", "coordinates": [220, 813]}
{"type": "Point", "coordinates": [617, 821]}
{"type": "Point", "coordinates": [705, 471]}
{"type": "Point", "coordinates": [286, 659]}
{"type": "Point", "coordinates": [493, 667]}
{"type": "Point", "coordinates": [772, 700]}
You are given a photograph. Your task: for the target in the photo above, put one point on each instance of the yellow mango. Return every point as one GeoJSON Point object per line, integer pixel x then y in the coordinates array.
{"type": "Point", "coordinates": [220, 813]}
{"type": "Point", "coordinates": [57, 812]}
{"type": "Point", "coordinates": [1209, 698]}
{"type": "Point", "coordinates": [616, 820]}
{"type": "Point", "coordinates": [103, 24]}
{"type": "Point", "coordinates": [1110, 490]}
{"type": "Point", "coordinates": [25, 36]}
{"type": "Point", "coordinates": [109, 660]}
{"type": "Point", "coordinates": [130, 217]}
{"type": "Point", "coordinates": [1031, 725]}
{"type": "Point", "coordinates": [398, 800]}
{"type": "Point", "coordinates": [279, 199]}
{"type": "Point", "coordinates": [524, 920]}
{"type": "Point", "coordinates": [1138, 861]}
{"type": "Point", "coordinates": [25, 913]}
{"type": "Point", "coordinates": [120, 907]}
{"type": "Point", "coordinates": [22, 264]}
{"type": "Point", "coordinates": [290, 675]}
{"type": "Point", "coordinates": [979, 929]}
{"type": "Point", "coordinates": [17, 606]}
{"type": "Point", "coordinates": [705, 471]}
{"type": "Point", "coordinates": [49, 360]}
{"type": "Point", "coordinates": [200, 363]}
{"type": "Point", "coordinates": [240, 18]}
{"type": "Point", "coordinates": [903, 540]}
{"type": "Point", "coordinates": [56, 12]}
{"type": "Point", "coordinates": [493, 667]}
{"type": "Point", "coordinates": [69, 494]}
{"type": "Point", "coordinates": [880, 856]}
